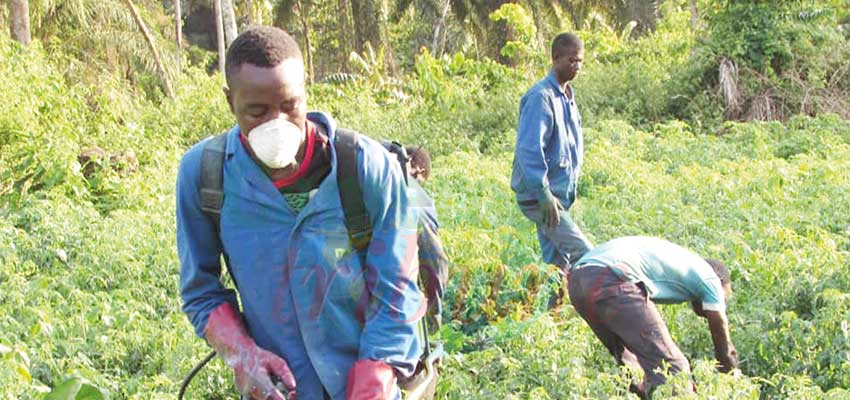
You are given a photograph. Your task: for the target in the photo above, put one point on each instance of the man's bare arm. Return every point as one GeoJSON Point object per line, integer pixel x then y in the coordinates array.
{"type": "Point", "coordinates": [724, 350]}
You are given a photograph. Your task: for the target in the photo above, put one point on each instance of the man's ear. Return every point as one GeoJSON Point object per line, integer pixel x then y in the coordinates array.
{"type": "Point", "coordinates": [229, 96]}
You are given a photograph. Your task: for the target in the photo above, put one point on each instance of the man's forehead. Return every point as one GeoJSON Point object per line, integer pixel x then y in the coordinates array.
{"type": "Point", "coordinates": [571, 51]}
{"type": "Point", "coordinates": [289, 72]}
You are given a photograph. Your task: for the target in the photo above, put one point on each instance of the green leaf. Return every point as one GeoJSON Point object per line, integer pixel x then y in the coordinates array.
{"type": "Point", "coordinates": [76, 389]}
{"type": "Point", "coordinates": [90, 392]}
{"type": "Point", "coordinates": [24, 372]}
{"type": "Point", "coordinates": [66, 390]}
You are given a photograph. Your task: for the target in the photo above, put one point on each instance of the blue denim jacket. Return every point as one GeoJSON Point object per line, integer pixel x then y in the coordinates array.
{"type": "Point", "coordinates": [549, 144]}
{"type": "Point", "coordinates": [306, 294]}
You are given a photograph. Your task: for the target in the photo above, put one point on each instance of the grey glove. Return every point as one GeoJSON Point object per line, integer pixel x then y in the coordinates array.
{"type": "Point", "coordinates": [550, 208]}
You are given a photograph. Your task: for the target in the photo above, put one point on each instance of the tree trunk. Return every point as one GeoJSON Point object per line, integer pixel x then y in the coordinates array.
{"type": "Point", "coordinates": [438, 40]}
{"type": "Point", "coordinates": [229, 19]}
{"type": "Point", "coordinates": [219, 34]}
{"type": "Point", "coordinates": [305, 25]}
{"type": "Point", "coordinates": [539, 25]}
{"type": "Point", "coordinates": [344, 32]}
{"type": "Point", "coordinates": [370, 27]}
{"type": "Point", "coordinates": [19, 21]}
{"type": "Point", "coordinates": [578, 13]}
{"type": "Point", "coordinates": [694, 14]}
{"type": "Point", "coordinates": [178, 27]}
{"type": "Point", "coordinates": [367, 23]}
{"type": "Point", "coordinates": [389, 52]}
{"type": "Point", "coordinates": [643, 12]}
{"type": "Point", "coordinates": [149, 39]}
{"type": "Point", "coordinates": [250, 6]}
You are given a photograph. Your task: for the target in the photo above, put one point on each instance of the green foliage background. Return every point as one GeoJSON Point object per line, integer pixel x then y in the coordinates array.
{"type": "Point", "coordinates": [88, 268]}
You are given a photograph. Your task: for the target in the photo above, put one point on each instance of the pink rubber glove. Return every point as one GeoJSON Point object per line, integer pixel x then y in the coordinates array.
{"type": "Point", "coordinates": [370, 380]}
{"type": "Point", "coordinates": [253, 367]}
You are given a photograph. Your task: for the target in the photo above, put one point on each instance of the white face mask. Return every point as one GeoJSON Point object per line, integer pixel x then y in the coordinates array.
{"type": "Point", "coordinates": [276, 142]}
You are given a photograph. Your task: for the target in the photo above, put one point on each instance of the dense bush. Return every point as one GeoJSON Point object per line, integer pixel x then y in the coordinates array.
{"type": "Point", "coordinates": [787, 57]}
{"type": "Point", "coordinates": [630, 78]}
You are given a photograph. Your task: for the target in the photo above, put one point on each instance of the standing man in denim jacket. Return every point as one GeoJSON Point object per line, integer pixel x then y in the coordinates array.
{"type": "Point", "coordinates": [325, 320]}
{"type": "Point", "coordinates": [548, 156]}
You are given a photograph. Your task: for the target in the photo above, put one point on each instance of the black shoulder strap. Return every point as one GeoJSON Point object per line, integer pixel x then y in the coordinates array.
{"type": "Point", "coordinates": [397, 149]}
{"type": "Point", "coordinates": [212, 196]}
{"type": "Point", "coordinates": [350, 193]}
{"type": "Point", "coordinates": [212, 178]}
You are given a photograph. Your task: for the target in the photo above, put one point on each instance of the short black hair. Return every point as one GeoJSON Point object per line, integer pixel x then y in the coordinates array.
{"type": "Point", "coordinates": [419, 157]}
{"type": "Point", "coordinates": [263, 46]}
{"type": "Point", "coordinates": [721, 270]}
{"type": "Point", "coordinates": [565, 42]}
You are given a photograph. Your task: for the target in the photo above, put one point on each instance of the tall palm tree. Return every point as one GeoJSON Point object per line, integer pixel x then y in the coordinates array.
{"type": "Point", "coordinates": [102, 36]}
{"type": "Point", "coordinates": [345, 28]}
{"type": "Point", "coordinates": [432, 12]}
{"type": "Point", "coordinates": [371, 26]}
{"type": "Point", "coordinates": [142, 27]}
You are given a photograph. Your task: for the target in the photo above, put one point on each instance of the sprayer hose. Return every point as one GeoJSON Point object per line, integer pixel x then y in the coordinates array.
{"type": "Point", "coordinates": [193, 372]}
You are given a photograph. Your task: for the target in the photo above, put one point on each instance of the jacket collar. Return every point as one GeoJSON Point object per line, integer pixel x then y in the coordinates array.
{"type": "Point", "coordinates": [553, 82]}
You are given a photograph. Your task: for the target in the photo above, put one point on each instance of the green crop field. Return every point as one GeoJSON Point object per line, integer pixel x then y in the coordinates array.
{"type": "Point", "coordinates": [89, 271]}
{"type": "Point", "coordinates": [770, 200]}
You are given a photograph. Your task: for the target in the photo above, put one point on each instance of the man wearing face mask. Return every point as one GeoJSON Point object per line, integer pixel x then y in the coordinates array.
{"type": "Point", "coordinates": [548, 156]}
{"type": "Point", "coordinates": [324, 320]}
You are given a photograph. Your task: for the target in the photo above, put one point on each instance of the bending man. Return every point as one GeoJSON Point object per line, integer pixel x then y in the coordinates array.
{"type": "Point", "coordinates": [611, 288]}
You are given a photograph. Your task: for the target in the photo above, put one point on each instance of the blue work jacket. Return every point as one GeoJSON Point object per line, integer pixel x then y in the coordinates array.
{"type": "Point", "coordinates": [306, 295]}
{"type": "Point", "coordinates": [549, 144]}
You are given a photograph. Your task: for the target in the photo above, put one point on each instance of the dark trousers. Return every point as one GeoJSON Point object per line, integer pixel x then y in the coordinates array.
{"type": "Point", "coordinates": [623, 317]}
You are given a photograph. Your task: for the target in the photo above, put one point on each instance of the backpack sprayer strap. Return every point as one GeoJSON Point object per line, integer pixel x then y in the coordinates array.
{"type": "Point", "coordinates": [350, 193]}
{"type": "Point", "coordinates": [212, 160]}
